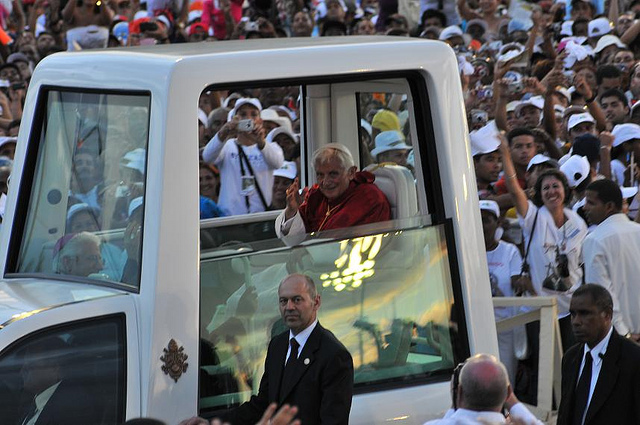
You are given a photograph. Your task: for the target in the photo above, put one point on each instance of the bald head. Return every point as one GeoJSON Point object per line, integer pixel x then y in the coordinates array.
{"type": "Point", "coordinates": [484, 384]}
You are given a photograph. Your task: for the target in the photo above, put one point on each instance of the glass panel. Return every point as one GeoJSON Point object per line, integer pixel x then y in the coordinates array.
{"type": "Point", "coordinates": [85, 211]}
{"type": "Point", "coordinates": [250, 150]}
{"type": "Point", "coordinates": [76, 374]}
{"type": "Point", "coordinates": [388, 297]}
{"type": "Point", "coordinates": [388, 113]}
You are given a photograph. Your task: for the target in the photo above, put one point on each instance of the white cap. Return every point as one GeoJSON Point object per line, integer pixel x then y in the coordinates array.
{"type": "Point", "coordinates": [491, 206]}
{"type": "Point", "coordinates": [77, 208]}
{"type": "Point", "coordinates": [541, 159]}
{"type": "Point", "coordinates": [485, 140]}
{"type": "Point", "coordinates": [288, 170]}
{"type": "Point", "coordinates": [135, 160]}
{"type": "Point", "coordinates": [577, 169]}
{"type": "Point", "coordinates": [536, 101]}
{"type": "Point", "coordinates": [566, 28]}
{"type": "Point", "coordinates": [202, 117]}
{"type": "Point", "coordinates": [271, 115]}
{"type": "Point", "coordinates": [576, 119]}
{"type": "Point", "coordinates": [450, 32]}
{"type": "Point", "coordinates": [389, 141]}
{"type": "Point", "coordinates": [135, 204]}
{"type": "Point", "coordinates": [625, 132]}
{"type": "Point", "coordinates": [606, 41]}
{"type": "Point", "coordinates": [280, 130]}
{"type": "Point", "coordinates": [6, 139]}
{"type": "Point", "coordinates": [513, 105]}
{"type": "Point", "coordinates": [366, 125]}
{"type": "Point", "coordinates": [599, 26]}
{"type": "Point", "coordinates": [244, 101]}
{"type": "Point", "coordinates": [628, 192]}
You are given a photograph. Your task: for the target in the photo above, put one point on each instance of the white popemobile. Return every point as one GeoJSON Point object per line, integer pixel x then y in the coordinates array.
{"type": "Point", "coordinates": [145, 310]}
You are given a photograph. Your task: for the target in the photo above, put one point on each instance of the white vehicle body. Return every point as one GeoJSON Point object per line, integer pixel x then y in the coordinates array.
{"type": "Point", "coordinates": [166, 304]}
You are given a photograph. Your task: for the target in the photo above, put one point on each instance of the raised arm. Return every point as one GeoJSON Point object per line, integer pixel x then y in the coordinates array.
{"type": "Point", "coordinates": [517, 194]}
{"type": "Point", "coordinates": [606, 143]}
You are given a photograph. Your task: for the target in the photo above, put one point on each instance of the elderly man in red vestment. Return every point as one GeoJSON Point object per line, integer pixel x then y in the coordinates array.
{"type": "Point", "coordinates": [342, 197]}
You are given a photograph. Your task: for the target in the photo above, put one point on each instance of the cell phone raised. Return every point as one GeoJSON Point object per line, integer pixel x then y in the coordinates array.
{"type": "Point", "coordinates": [245, 125]}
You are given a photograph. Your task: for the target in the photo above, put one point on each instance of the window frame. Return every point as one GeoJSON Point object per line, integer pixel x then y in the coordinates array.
{"type": "Point", "coordinates": [119, 319]}
{"type": "Point", "coordinates": [27, 178]}
{"type": "Point", "coordinates": [429, 190]}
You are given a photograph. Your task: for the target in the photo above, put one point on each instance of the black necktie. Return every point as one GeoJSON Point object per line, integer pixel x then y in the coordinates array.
{"type": "Point", "coordinates": [291, 362]}
{"type": "Point", "coordinates": [582, 390]}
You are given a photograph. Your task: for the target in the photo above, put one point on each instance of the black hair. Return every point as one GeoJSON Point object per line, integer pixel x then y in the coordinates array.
{"type": "Point", "coordinates": [616, 93]}
{"type": "Point", "coordinates": [578, 21]}
{"type": "Point", "coordinates": [607, 191]}
{"type": "Point", "coordinates": [519, 131]}
{"type": "Point", "coordinates": [599, 294]}
{"type": "Point", "coordinates": [433, 13]}
{"type": "Point", "coordinates": [607, 71]}
{"type": "Point", "coordinates": [537, 195]}
{"type": "Point", "coordinates": [327, 25]}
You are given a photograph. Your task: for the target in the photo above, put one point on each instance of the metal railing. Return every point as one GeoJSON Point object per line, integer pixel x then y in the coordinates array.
{"type": "Point", "coordinates": [545, 310]}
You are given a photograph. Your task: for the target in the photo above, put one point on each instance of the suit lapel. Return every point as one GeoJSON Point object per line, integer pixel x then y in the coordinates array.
{"type": "Point", "coordinates": [607, 377]}
{"type": "Point", "coordinates": [305, 360]}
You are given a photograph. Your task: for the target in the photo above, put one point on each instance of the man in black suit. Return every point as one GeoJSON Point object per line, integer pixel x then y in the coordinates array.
{"type": "Point", "coordinates": [600, 374]}
{"type": "Point", "coordinates": [306, 367]}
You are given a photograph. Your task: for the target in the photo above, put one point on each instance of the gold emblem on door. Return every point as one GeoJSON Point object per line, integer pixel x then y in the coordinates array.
{"type": "Point", "coordinates": [175, 360]}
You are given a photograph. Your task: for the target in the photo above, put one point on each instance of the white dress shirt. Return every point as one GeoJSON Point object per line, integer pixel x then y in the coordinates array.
{"type": "Point", "coordinates": [597, 353]}
{"type": "Point", "coordinates": [612, 259]}
{"type": "Point", "coordinates": [301, 338]}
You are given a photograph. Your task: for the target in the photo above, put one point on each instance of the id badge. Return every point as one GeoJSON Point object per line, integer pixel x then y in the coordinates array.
{"type": "Point", "coordinates": [248, 185]}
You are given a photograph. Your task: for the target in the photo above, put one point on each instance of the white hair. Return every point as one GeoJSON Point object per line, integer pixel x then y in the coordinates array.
{"type": "Point", "coordinates": [73, 248]}
{"type": "Point", "coordinates": [333, 150]}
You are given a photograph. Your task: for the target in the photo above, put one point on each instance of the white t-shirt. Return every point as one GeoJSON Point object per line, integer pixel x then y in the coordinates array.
{"type": "Point", "coordinates": [504, 261]}
{"type": "Point", "coordinates": [617, 171]}
{"type": "Point", "coordinates": [542, 253]}
{"type": "Point", "coordinates": [226, 156]}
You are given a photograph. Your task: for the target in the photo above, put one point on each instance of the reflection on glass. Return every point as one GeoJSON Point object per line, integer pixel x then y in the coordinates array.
{"type": "Point", "coordinates": [88, 184]}
{"type": "Point", "coordinates": [387, 297]}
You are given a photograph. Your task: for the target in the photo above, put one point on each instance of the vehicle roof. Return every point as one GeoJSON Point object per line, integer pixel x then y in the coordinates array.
{"type": "Point", "coordinates": [184, 50]}
{"type": "Point", "coordinates": [21, 298]}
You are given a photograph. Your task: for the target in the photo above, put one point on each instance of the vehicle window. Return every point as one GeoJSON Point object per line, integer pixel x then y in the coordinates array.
{"type": "Point", "coordinates": [84, 217]}
{"type": "Point", "coordinates": [384, 129]}
{"type": "Point", "coordinates": [386, 280]}
{"type": "Point", "coordinates": [264, 122]}
{"type": "Point", "coordinates": [69, 374]}
{"type": "Point", "coordinates": [388, 297]}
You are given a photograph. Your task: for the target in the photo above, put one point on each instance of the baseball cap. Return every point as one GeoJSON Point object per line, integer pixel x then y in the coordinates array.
{"type": "Point", "coordinates": [579, 119]}
{"type": "Point", "coordinates": [272, 115]}
{"type": "Point", "coordinates": [244, 101]}
{"type": "Point", "coordinates": [281, 130]}
{"type": "Point", "coordinates": [389, 141]}
{"type": "Point", "coordinates": [288, 170]}
{"type": "Point", "coordinates": [606, 41]}
{"type": "Point", "coordinates": [484, 140]}
{"type": "Point", "coordinates": [450, 32]}
{"type": "Point", "coordinates": [536, 101]}
{"type": "Point", "coordinates": [599, 26]}
{"type": "Point", "coordinates": [491, 206]}
{"type": "Point", "coordinates": [519, 25]}
{"type": "Point", "coordinates": [623, 133]}
{"type": "Point", "coordinates": [577, 169]}
{"type": "Point", "coordinates": [541, 159]}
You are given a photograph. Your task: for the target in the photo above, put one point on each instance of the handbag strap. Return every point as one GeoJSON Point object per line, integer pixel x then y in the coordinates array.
{"type": "Point", "coordinates": [243, 157]}
{"type": "Point", "coordinates": [525, 264]}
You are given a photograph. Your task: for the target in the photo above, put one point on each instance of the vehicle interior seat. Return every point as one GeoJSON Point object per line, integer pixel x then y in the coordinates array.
{"type": "Point", "coordinates": [398, 185]}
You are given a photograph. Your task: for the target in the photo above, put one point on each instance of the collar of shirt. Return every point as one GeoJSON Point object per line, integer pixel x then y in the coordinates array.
{"type": "Point", "coordinates": [301, 338]}
{"type": "Point", "coordinates": [492, 417]}
{"type": "Point", "coordinates": [599, 350]}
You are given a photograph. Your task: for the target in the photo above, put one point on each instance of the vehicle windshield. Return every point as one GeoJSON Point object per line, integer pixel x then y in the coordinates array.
{"type": "Point", "coordinates": [84, 217]}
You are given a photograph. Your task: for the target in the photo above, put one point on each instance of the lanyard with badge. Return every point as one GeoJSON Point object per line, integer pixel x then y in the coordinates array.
{"type": "Point", "coordinates": [249, 184]}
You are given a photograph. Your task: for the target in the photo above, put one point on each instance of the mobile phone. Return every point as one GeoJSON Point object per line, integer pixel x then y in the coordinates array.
{"type": "Point", "coordinates": [515, 87]}
{"type": "Point", "coordinates": [245, 125]}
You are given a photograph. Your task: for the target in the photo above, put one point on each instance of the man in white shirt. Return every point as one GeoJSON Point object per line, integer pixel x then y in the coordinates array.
{"type": "Point", "coordinates": [600, 374]}
{"type": "Point", "coordinates": [481, 392]}
{"type": "Point", "coordinates": [612, 254]}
